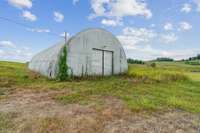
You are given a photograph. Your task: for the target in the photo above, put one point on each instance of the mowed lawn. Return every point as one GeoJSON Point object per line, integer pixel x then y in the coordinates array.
{"type": "Point", "coordinates": [172, 85]}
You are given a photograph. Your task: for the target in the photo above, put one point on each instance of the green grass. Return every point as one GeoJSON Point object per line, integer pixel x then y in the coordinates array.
{"type": "Point", "coordinates": [6, 123]}
{"type": "Point", "coordinates": [171, 85]}
{"type": "Point", "coordinates": [193, 62]}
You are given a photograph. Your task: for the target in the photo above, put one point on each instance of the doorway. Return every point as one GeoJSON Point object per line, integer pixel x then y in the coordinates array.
{"type": "Point", "coordinates": [102, 62]}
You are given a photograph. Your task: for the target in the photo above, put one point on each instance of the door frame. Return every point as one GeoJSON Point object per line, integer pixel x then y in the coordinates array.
{"type": "Point", "coordinates": [103, 50]}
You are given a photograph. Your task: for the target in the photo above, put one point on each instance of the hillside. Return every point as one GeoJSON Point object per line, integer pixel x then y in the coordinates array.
{"type": "Point", "coordinates": [162, 96]}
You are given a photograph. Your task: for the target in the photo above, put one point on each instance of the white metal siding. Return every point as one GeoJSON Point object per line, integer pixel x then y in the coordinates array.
{"type": "Point", "coordinates": [84, 44]}
{"type": "Point", "coordinates": [81, 57]}
{"type": "Point", "coordinates": [97, 62]}
{"type": "Point", "coordinates": [107, 63]}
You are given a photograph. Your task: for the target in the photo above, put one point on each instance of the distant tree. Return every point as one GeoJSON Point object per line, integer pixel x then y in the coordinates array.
{"type": "Point", "coordinates": [132, 61]}
{"type": "Point", "coordinates": [164, 59]}
{"type": "Point", "coordinates": [198, 56]}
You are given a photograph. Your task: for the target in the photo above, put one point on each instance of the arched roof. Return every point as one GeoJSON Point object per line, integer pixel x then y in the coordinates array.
{"type": "Point", "coordinates": [92, 29]}
{"type": "Point", "coordinates": [95, 29]}
{"type": "Point", "coordinates": [55, 49]}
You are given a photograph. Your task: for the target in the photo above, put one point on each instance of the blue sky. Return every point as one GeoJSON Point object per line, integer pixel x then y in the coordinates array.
{"type": "Point", "coordinates": [147, 29]}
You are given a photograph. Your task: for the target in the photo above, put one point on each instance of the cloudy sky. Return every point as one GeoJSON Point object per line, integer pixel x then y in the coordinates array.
{"type": "Point", "coordinates": [146, 28]}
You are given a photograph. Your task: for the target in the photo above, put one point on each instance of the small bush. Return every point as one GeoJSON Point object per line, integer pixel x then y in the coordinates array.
{"type": "Point", "coordinates": [153, 64]}
{"type": "Point", "coordinates": [25, 76]}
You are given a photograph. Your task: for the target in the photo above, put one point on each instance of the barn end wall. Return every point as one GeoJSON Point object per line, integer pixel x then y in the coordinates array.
{"type": "Point", "coordinates": [81, 46]}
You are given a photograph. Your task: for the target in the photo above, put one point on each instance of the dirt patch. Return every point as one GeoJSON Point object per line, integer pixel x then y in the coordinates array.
{"type": "Point", "coordinates": [37, 111]}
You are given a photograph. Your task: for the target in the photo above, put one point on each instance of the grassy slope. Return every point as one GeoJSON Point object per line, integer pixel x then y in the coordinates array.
{"type": "Point", "coordinates": [169, 85]}
{"type": "Point", "coordinates": [193, 62]}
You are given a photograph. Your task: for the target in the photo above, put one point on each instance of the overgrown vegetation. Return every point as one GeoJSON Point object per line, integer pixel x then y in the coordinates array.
{"type": "Point", "coordinates": [63, 68]}
{"type": "Point", "coordinates": [168, 85]}
{"type": "Point", "coordinates": [132, 61]}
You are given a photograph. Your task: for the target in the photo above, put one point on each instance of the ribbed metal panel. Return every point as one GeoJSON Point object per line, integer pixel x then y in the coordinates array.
{"type": "Point", "coordinates": [82, 57]}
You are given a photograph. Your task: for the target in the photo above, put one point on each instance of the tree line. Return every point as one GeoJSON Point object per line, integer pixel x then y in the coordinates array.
{"type": "Point", "coordinates": [133, 61]}
{"type": "Point", "coordinates": [162, 59]}
{"type": "Point", "coordinates": [194, 58]}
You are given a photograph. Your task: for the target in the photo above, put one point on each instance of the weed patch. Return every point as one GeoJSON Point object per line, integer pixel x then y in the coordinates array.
{"type": "Point", "coordinates": [50, 125]}
{"type": "Point", "coordinates": [6, 123]}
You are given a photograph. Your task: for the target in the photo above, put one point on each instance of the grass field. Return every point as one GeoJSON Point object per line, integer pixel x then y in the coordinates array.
{"type": "Point", "coordinates": [95, 102]}
{"type": "Point", "coordinates": [168, 85]}
{"type": "Point", "coordinates": [193, 62]}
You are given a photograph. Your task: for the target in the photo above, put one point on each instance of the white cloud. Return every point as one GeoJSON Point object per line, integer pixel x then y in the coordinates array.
{"type": "Point", "coordinates": [133, 36]}
{"type": "Point", "coordinates": [168, 26]}
{"type": "Point", "coordinates": [9, 51]}
{"type": "Point", "coordinates": [58, 17]}
{"type": "Point", "coordinates": [186, 8]}
{"type": "Point", "coordinates": [29, 16]}
{"type": "Point", "coordinates": [118, 9]}
{"type": "Point", "coordinates": [183, 26]}
{"type": "Point", "coordinates": [168, 38]}
{"type": "Point", "coordinates": [21, 3]}
{"type": "Point", "coordinates": [7, 44]}
{"type": "Point", "coordinates": [111, 22]}
{"type": "Point", "coordinates": [197, 2]}
{"type": "Point", "coordinates": [75, 2]}
{"type": "Point", "coordinates": [15, 55]}
{"type": "Point", "coordinates": [137, 44]}
{"type": "Point", "coordinates": [98, 7]}
{"type": "Point", "coordinates": [39, 30]}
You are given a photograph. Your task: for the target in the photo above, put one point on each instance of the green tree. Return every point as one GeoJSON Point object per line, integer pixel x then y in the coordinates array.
{"type": "Point", "coordinates": [63, 68]}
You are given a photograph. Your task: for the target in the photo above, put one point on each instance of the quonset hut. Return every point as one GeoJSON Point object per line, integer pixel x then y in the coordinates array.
{"type": "Point", "coordinates": [90, 52]}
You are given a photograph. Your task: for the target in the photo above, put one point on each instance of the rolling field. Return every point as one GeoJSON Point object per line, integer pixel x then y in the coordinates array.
{"type": "Point", "coordinates": [169, 92]}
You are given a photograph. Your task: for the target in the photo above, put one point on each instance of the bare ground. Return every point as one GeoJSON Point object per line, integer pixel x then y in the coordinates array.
{"type": "Point", "coordinates": [37, 111]}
